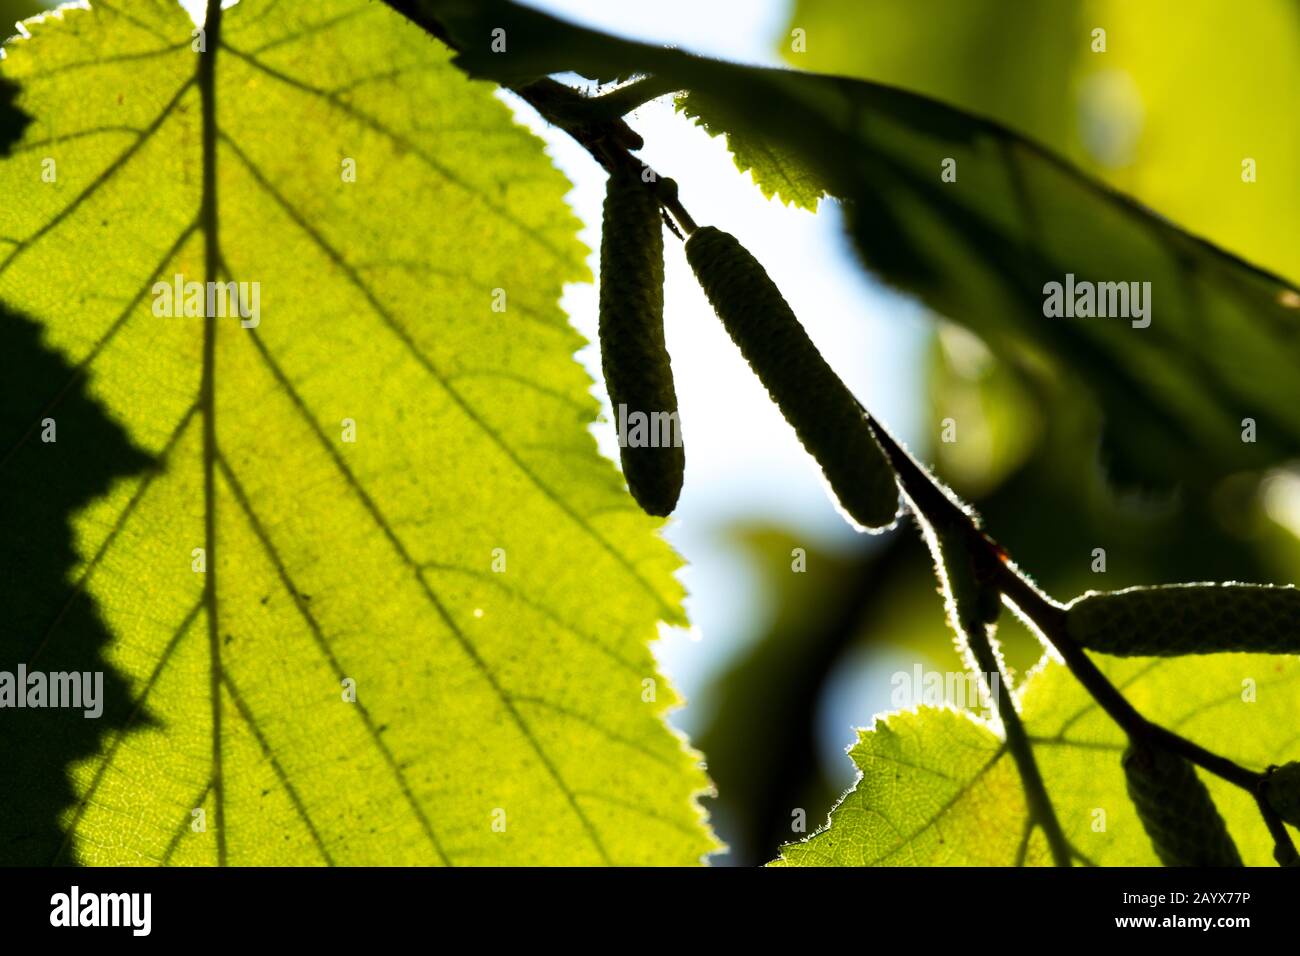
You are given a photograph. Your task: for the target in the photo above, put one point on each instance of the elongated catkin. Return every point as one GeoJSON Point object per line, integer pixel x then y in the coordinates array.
{"type": "Point", "coordinates": [634, 356]}
{"type": "Point", "coordinates": [814, 401]}
{"type": "Point", "coordinates": [1176, 810]}
{"type": "Point", "coordinates": [1188, 619]}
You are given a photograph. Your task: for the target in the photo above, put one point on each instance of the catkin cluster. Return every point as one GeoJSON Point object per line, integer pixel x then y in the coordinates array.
{"type": "Point", "coordinates": [823, 412]}
{"type": "Point", "coordinates": [1173, 804]}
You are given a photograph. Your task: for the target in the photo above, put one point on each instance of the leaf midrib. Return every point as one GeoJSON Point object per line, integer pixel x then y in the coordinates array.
{"type": "Point", "coordinates": [206, 74]}
{"type": "Point", "coordinates": [214, 267]}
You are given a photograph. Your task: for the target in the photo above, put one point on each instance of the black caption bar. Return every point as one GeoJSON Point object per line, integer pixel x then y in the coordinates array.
{"type": "Point", "coordinates": [616, 908]}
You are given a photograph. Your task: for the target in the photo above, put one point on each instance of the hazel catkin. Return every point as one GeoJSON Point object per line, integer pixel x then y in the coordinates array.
{"type": "Point", "coordinates": [1176, 809]}
{"type": "Point", "coordinates": [634, 356]}
{"type": "Point", "coordinates": [1188, 619]}
{"type": "Point", "coordinates": [823, 412]}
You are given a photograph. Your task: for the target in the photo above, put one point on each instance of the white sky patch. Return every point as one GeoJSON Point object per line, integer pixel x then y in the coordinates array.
{"type": "Point", "coordinates": [198, 9]}
{"type": "Point", "coordinates": [728, 29]}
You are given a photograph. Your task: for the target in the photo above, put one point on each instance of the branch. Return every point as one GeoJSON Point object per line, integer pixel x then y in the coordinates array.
{"type": "Point", "coordinates": [1049, 618]}
{"type": "Point", "coordinates": [963, 574]}
{"type": "Point", "coordinates": [933, 501]}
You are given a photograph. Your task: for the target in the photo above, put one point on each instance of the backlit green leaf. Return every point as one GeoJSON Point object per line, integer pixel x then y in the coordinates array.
{"type": "Point", "coordinates": [391, 480]}
{"type": "Point", "coordinates": [938, 787]}
{"type": "Point", "coordinates": [776, 170]}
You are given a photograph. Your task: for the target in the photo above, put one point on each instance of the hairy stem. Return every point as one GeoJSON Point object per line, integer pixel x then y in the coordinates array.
{"type": "Point", "coordinates": [935, 503]}
{"type": "Point", "coordinates": [1041, 810]}
{"type": "Point", "coordinates": [969, 622]}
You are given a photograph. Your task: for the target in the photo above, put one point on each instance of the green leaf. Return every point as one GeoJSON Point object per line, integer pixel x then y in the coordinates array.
{"type": "Point", "coordinates": [468, 563]}
{"type": "Point", "coordinates": [938, 787]}
{"type": "Point", "coordinates": [776, 171]}
{"type": "Point", "coordinates": [1188, 619]}
{"type": "Point", "coordinates": [982, 249]}
{"type": "Point", "coordinates": [932, 780]}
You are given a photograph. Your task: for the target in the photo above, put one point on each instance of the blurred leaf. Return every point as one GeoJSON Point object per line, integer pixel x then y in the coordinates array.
{"type": "Point", "coordinates": [974, 54]}
{"type": "Point", "coordinates": [995, 423]}
{"type": "Point", "coordinates": [939, 789]}
{"type": "Point", "coordinates": [1136, 115]}
{"type": "Point", "coordinates": [330, 564]}
{"type": "Point", "coordinates": [1221, 345]}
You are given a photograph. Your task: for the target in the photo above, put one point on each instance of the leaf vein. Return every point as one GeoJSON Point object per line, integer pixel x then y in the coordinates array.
{"type": "Point", "coordinates": [471, 651]}
{"type": "Point", "coordinates": [318, 635]}
{"type": "Point", "coordinates": [404, 337]}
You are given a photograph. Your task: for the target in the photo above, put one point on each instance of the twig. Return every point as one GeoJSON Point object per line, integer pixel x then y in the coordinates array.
{"type": "Point", "coordinates": [1041, 811]}
{"type": "Point", "coordinates": [1049, 618]}
{"type": "Point", "coordinates": [934, 502]}
{"type": "Point", "coordinates": [963, 577]}
{"type": "Point", "coordinates": [609, 141]}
